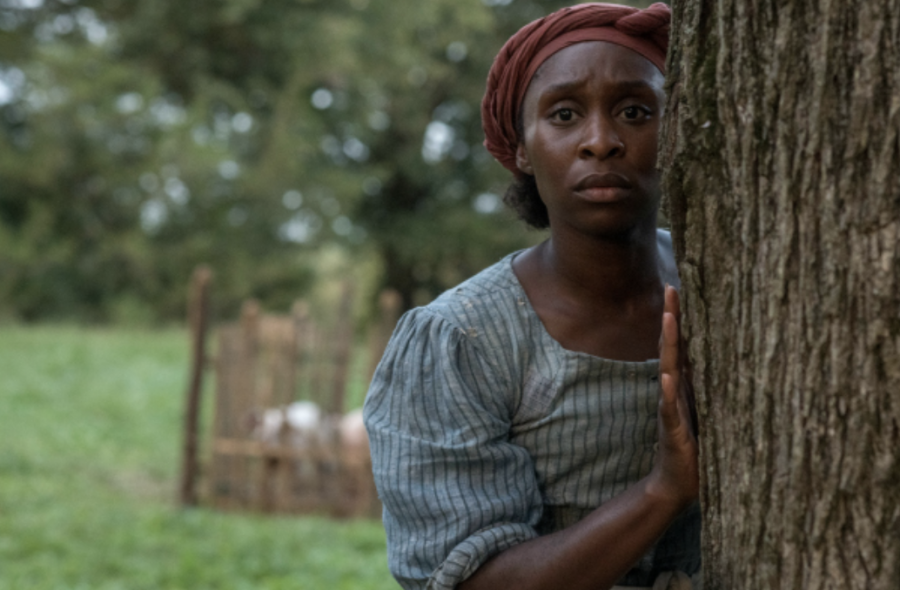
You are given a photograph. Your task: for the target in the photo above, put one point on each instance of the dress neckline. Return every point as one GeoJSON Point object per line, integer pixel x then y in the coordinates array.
{"type": "Point", "coordinates": [552, 342]}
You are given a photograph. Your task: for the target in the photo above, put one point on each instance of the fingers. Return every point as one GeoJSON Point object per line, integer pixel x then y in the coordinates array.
{"type": "Point", "coordinates": [686, 403]}
{"type": "Point", "coordinates": [668, 352]}
{"type": "Point", "coordinates": [685, 412]}
{"type": "Point", "coordinates": [668, 403]}
{"type": "Point", "coordinates": [672, 303]}
{"type": "Point", "coordinates": [672, 404]}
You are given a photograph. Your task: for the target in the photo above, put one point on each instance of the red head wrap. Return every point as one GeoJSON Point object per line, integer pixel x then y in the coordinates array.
{"type": "Point", "coordinates": [644, 31]}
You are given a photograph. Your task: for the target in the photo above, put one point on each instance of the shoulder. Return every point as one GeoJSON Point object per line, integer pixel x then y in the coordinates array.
{"type": "Point", "coordinates": [492, 289]}
{"type": "Point", "coordinates": [489, 309]}
{"type": "Point", "coordinates": [667, 264]}
{"type": "Point", "coordinates": [467, 344]}
{"type": "Point", "coordinates": [486, 316]}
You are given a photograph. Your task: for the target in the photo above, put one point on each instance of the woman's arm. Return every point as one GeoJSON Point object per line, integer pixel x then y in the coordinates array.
{"type": "Point", "coordinates": [597, 551]}
{"type": "Point", "coordinates": [455, 490]}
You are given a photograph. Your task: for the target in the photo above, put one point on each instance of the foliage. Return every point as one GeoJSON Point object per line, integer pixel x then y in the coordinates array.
{"type": "Point", "coordinates": [91, 433]}
{"type": "Point", "coordinates": [138, 139]}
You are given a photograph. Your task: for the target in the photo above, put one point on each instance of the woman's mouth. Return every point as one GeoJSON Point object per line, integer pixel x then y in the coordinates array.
{"type": "Point", "coordinates": [603, 187]}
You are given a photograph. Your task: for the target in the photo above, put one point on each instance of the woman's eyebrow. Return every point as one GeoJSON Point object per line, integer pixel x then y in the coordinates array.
{"type": "Point", "coordinates": [620, 86]}
{"type": "Point", "coordinates": [563, 87]}
{"type": "Point", "coordinates": [633, 85]}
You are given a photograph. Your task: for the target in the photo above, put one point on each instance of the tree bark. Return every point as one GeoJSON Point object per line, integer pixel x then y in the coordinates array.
{"type": "Point", "coordinates": [781, 153]}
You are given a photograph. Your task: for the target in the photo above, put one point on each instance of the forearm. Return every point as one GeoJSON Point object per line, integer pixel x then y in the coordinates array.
{"type": "Point", "coordinates": [592, 554]}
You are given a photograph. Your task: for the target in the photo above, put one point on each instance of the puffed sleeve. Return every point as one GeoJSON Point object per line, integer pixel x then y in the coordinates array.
{"type": "Point", "coordinates": [455, 490]}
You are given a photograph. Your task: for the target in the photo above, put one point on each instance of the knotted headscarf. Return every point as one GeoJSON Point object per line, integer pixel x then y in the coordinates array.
{"type": "Point", "coordinates": [644, 31]}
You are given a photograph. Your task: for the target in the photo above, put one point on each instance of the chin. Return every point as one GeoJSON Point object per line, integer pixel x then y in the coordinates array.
{"type": "Point", "coordinates": [614, 227]}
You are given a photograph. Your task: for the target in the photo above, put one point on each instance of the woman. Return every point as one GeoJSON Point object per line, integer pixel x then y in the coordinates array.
{"type": "Point", "coordinates": [524, 434]}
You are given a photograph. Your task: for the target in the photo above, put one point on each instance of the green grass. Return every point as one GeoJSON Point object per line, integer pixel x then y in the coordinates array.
{"type": "Point", "coordinates": [89, 450]}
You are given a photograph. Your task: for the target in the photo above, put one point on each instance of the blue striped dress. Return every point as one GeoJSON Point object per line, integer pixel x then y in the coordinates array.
{"type": "Point", "coordinates": [485, 433]}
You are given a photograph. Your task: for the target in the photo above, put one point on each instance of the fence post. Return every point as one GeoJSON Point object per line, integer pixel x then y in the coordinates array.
{"type": "Point", "coordinates": [342, 343]}
{"type": "Point", "coordinates": [198, 320]}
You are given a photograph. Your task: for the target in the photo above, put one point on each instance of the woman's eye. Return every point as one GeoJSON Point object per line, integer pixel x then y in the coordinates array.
{"type": "Point", "coordinates": [564, 114]}
{"type": "Point", "coordinates": [634, 113]}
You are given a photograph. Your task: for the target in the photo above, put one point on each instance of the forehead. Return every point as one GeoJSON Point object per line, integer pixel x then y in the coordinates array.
{"type": "Point", "coordinates": [597, 63]}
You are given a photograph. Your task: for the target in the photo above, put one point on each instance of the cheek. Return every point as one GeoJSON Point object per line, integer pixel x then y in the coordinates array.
{"type": "Point", "coordinates": [544, 186]}
{"type": "Point", "coordinates": [648, 151]}
{"type": "Point", "coordinates": [548, 152]}
{"type": "Point", "coordinates": [549, 175]}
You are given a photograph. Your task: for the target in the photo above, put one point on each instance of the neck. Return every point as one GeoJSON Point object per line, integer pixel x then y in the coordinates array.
{"type": "Point", "coordinates": [615, 269]}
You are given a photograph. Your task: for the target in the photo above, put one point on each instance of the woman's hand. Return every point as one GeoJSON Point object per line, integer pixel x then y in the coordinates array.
{"type": "Point", "coordinates": [676, 474]}
{"type": "Point", "coordinates": [598, 550]}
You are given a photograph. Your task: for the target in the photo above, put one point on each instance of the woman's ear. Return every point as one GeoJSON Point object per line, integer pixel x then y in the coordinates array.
{"type": "Point", "coordinates": [522, 161]}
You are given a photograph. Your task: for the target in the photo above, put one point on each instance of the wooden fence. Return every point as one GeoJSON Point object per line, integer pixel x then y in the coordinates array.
{"type": "Point", "coordinates": [263, 364]}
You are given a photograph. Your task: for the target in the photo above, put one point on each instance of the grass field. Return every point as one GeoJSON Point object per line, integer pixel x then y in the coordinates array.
{"type": "Point", "coordinates": [89, 436]}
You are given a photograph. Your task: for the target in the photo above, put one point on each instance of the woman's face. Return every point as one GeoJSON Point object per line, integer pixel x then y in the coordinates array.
{"type": "Point", "coordinates": [590, 120]}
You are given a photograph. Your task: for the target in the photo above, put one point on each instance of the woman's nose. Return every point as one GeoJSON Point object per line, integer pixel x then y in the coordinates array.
{"type": "Point", "coordinates": [600, 139]}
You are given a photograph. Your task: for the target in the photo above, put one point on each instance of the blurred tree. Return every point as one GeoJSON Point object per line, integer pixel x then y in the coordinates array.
{"type": "Point", "coordinates": [114, 184]}
{"type": "Point", "coordinates": [369, 121]}
{"type": "Point", "coordinates": [141, 138]}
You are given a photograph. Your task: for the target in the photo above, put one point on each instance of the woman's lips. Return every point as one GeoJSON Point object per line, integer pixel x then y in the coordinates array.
{"type": "Point", "coordinates": [603, 187]}
{"type": "Point", "coordinates": [606, 194]}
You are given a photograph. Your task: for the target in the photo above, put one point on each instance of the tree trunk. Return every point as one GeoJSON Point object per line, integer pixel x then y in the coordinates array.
{"type": "Point", "coordinates": [782, 163]}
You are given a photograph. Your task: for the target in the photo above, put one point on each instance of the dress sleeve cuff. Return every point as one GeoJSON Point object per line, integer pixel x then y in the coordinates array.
{"type": "Point", "coordinates": [476, 549]}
